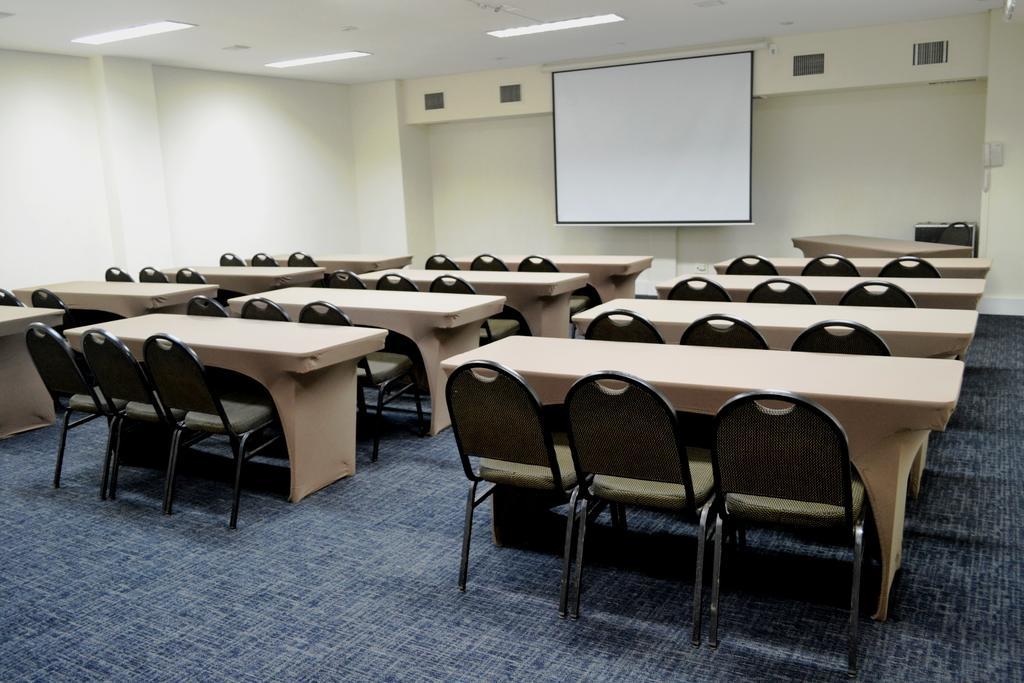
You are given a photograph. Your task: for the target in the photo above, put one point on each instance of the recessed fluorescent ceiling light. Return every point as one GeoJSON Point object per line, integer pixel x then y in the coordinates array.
{"type": "Point", "coordinates": [133, 32]}
{"type": "Point", "coordinates": [317, 60]}
{"type": "Point", "coordinates": [556, 26]}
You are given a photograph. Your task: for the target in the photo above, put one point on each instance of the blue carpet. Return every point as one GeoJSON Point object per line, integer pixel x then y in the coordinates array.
{"type": "Point", "coordinates": [358, 582]}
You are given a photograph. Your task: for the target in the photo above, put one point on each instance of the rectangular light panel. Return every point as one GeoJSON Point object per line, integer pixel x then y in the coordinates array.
{"type": "Point", "coordinates": [556, 26]}
{"type": "Point", "coordinates": [133, 32]}
{"type": "Point", "coordinates": [288, 63]}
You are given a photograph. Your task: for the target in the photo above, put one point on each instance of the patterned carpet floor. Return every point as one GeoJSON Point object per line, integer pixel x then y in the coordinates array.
{"type": "Point", "coordinates": [358, 582]}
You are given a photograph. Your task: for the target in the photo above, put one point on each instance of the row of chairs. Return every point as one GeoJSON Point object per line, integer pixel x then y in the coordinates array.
{"type": "Point", "coordinates": [782, 291]}
{"type": "Point", "coordinates": [625, 447]}
{"type": "Point", "coordinates": [834, 265]}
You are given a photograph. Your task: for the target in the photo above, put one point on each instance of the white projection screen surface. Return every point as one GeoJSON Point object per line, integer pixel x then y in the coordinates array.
{"type": "Point", "coordinates": [657, 142]}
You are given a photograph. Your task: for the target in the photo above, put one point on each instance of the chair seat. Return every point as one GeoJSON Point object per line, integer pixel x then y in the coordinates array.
{"type": "Point", "coordinates": [83, 403]}
{"type": "Point", "coordinates": [145, 412]}
{"type": "Point", "coordinates": [578, 304]}
{"type": "Point", "coordinates": [779, 511]}
{"type": "Point", "coordinates": [659, 494]}
{"type": "Point", "coordinates": [532, 476]}
{"type": "Point", "coordinates": [385, 366]}
{"type": "Point", "coordinates": [500, 328]}
{"type": "Point", "coordinates": [244, 412]}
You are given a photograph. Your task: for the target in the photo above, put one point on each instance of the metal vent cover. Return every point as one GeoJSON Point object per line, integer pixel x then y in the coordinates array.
{"type": "Point", "coordinates": [809, 65]}
{"type": "Point", "coordinates": [433, 100]}
{"type": "Point", "coordinates": [935, 52]}
{"type": "Point", "coordinates": [511, 93]}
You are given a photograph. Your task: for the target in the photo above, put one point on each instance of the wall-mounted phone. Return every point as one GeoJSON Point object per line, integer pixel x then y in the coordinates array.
{"type": "Point", "coordinates": [992, 154]}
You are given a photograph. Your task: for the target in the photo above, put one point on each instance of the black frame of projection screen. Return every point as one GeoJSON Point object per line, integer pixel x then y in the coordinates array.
{"type": "Point", "coordinates": [750, 165]}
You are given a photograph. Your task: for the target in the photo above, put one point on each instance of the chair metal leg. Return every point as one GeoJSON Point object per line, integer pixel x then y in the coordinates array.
{"type": "Point", "coordinates": [115, 465]}
{"type": "Point", "coordinates": [60, 448]}
{"type": "Point", "coordinates": [172, 463]}
{"type": "Point", "coordinates": [419, 409]}
{"type": "Point", "coordinates": [377, 423]}
{"type": "Point", "coordinates": [111, 443]}
{"type": "Point", "coordinates": [582, 534]}
{"type": "Point", "coordinates": [858, 556]}
{"type": "Point", "coordinates": [716, 581]}
{"type": "Point", "coordinates": [239, 448]}
{"type": "Point", "coordinates": [467, 532]}
{"type": "Point", "coordinates": [741, 537]}
{"type": "Point", "coordinates": [698, 574]}
{"type": "Point", "coordinates": [570, 532]}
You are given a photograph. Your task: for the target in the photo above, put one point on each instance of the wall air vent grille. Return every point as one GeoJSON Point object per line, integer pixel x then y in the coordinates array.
{"type": "Point", "coordinates": [935, 52]}
{"type": "Point", "coordinates": [511, 93]}
{"type": "Point", "coordinates": [433, 100]}
{"type": "Point", "coordinates": [809, 65]}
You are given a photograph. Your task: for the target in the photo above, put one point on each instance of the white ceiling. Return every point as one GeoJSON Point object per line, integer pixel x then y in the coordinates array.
{"type": "Point", "coordinates": [413, 38]}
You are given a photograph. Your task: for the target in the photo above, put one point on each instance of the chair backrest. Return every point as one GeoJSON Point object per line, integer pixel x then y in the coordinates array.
{"type": "Point", "coordinates": [751, 264]}
{"type": "Point", "coordinates": [117, 373]}
{"type": "Point", "coordinates": [725, 331]}
{"type": "Point", "coordinates": [698, 289]}
{"type": "Point", "coordinates": [345, 279]}
{"type": "Point", "coordinates": [487, 262]}
{"type": "Point", "coordinates": [324, 313]}
{"type": "Point", "coordinates": [55, 362]}
{"type": "Point", "coordinates": [115, 274]}
{"type": "Point", "coordinates": [179, 377]}
{"type": "Point", "coordinates": [396, 283]}
{"type": "Point", "coordinates": [301, 260]}
{"type": "Point", "coordinates": [261, 260]}
{"type": "Point", "coordinates": [441, 262]}
{"type": "Point", "coordinates": [451, 284]}
{"type": "Point", "coordinates": [909, 266]}
{"type": "Point", "coordinates": [7, 298]}
{"type": "Point", "coordinates": [496, 415]}
{"type": "Point", "coordinates": [264, 309]}
{"type": "Point", "coordinates": [44, 298]}
{"type": "Point", "coordinates": [537, 264]}
{"type": "Point", "coordinates": [956, 233]}
{"type": "Point", "coordinates": [877, 293]}
{"type": "Point", "coordinates": [150, 274]}
{"type": "Point", "coordinates": [228, 259]}
{"type": "Point", "coordinates": [205, 306]}
{"type": "Point", "coordinates": [779, 445]}
{"type": "Point", "coordinates": [621, 426]}
{"type": "Point", "coordinates": [780, 291]}
{"type": "Point", "coordinates": [187, 276]}
{"type": "Point", "coordinates": [830, 265]}
{"type": "Point", "coordinates": [624, 326]}
{"type": "Point", "coordinates": [841, 336]}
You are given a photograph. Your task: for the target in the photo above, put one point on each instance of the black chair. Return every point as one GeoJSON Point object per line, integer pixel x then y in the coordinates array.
{"type": "Point", "coordinates": [909, 266]}
{"type": "Point", "coordinates": [628, 450]}
{"type": "Point", "coordinates": [182, 384]}
{"type": "Point", "coordinates": [958, 233]}
{"type": "Point", "coordinates": [261, 260]}
{"type": "Point", "coordinates": [301, 260]}
{"type": "Point", "coordinates": [624, 326]}
{"type": "Point", "coordinates": [393, 282]}
{"type": "Point", "coordinates": [391, 374]}
{"type": "Point", "coordinates": [117, 275]}
{"type": "Point", "coordinates": [345, 279]}
{"type": "Point", "coordinates": [149, 274]}
{"type": "Point", "coordinates": [7, 298]}
{"type": "Point", "coordinates": [698, 289]}
{"type": "Point", "coordinates": [484, 400]}
{"type": "Point", "coordinates": [583, 298]}
{"type": "Point", "coordinates": [493, 329]}
{"type": "Point", "coordinates": [440, 262]}
{"type": "Point", "coordinates": [205, 306]}
{"type": "Point", "coordinates": [830, 265]}
{"type": "Point", "coordinates": [261, 308]}
{"type": "Point", "coordinates": [751, 264]}
{"type": "Point", "coordinates": [783, 461]}
{"type": "Point", "coordinates": [724, 331]}
{"type": "Point", "coordinates": [841, 336]}
{"type": "Point", "coordinates": [488, 262]}
{"type": "Point", "coordinates": [537, 264]}
{"type": "Point", "coordinates": [187, 276]}
{"type": "Point", "coordinates": [44, 298]}
{"type": "Point", "coordinates": [231, 260]}
{"type": "Point", "coordinates": [780, 291]}
{"type": "Point", "coordinates": [877, 293]}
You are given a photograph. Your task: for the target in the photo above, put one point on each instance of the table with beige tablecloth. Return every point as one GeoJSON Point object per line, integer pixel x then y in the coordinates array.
{"type": "Point", "coordinates": [248, 279]}
{"type": "Point", "coordinates": [863, 245]}
{"type": "Point", "coordinates": [24, 401]}
{"type": "Point", "coordinates": [357, 263]}
{"type": "Point", "coordinates": [968, 268]}
{"type": "Point", "coordinates": [887, 406]}
{"type": "Point", "coordinates": [309, 371]}
{"type": "Point", "coordinates": [614, 277]}
{"type": "Point", "coordinates": [126, 299]}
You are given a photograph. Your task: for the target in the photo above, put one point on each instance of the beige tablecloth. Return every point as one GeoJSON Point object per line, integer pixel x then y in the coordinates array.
{"type": "Point", "coordinates": [24, 402]}
{"type": "Point", "coordinates": [542, 298]}
{"type": "Point", "coordinates": [966, 268]}
{"type": "Point", "coordinates": [248, 280]}
{"type": "Point", "coordinates": [441, 325]}
{"type": "Point", "coordinates": [862, 245]}
{"type": "Point", "coordinates": [887, 406]}
{"type": "Point", "coordinates": [126, 299]}
{"type": "Point", "coordinates": [357, 263]}
{"type": "Point", "coordinates": [927, 292]}
{"type": "Point", "coordinates": [309, 370]}
{"type": "Point", "coordinates": [614, 277]}
{"type": "Point", "coordinates": [915, 333]}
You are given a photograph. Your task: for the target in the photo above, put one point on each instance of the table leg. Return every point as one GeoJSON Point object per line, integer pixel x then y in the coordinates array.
{"type": "Point", "coordinates": [918, 472]}
{"type": "Point", "coordinates": [26, 404]}
{"type": "Point", "coordinates": [550, 317]}
{"type": "Point", "coordinates": [619, 287]}
{"type": "Point", "coordinates": [444, 343]}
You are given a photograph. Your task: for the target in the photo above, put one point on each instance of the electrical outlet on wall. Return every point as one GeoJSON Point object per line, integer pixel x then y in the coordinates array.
{"type": "Point", "coordinates": [694, 268]}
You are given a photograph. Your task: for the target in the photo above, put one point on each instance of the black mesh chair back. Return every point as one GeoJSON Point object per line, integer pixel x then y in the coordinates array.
{"type": "Point", "coordinates": [909, 266]}
{"type": "Point", "coordinates": [441, 262]}
{"type": "Point", "coordinates": [205, 306]}
{"type": "Point", "coordinates": [487, 262]}
{"type": "Point", "coordinates": [301, 260]}
{"type": "Point", "coordinates": [44, 298]}
{"type": "Point", "coordinates": [261, 260]}
{"type": "Point", "coordinates": [345, 279]}
{"type": "Point", "coordinates": [450, 284]}
{"type": "Point", "coordinates": [55, 362]}
{"type": "Point", "coordinates": [149, 274]}
{"type": "Point", "coordinates": [7, 298]}
{"type": "Point", "coordinates": [264, 309]}
{"type": "Point", "coordinates": [725, 331]}
{"type": "Point", "coordinates": [698, 289]}
{"type": "Point", "coordinates": [877, 293]}
{"type": "Point", "coordinates": [957, 233]}
{"type": "Point", "coordinates": [187, 276]}
{"type": "Point", "coordinates": [396, 283]}
{"type": "Point", "coordinates": [624, 326]}
{"type": "Point", "coordinates": [179, 377]}
{"type": "Point", "coordinates": [231, 260]}
{"type": "Point", "coordinates": [779, 445]}
{"type": "Point", "coordinates": [780, 291]}
{"type": "Point", "coordinates": [830, 265]}
{"type": "Point", "coordinates": [841, 336]}
{"type": "Point", "coordinates": [751, 264]}
{"type": "Point", "coordinates": [324, 313]}
{"type": "Point", "coordinates": [117, 373]}
{"type": "Point", "coordinates": [537, 264]}
{"type": "Point", "coordinates": [117, 275]}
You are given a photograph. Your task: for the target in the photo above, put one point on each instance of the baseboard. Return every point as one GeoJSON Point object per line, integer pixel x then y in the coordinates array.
{"type": "Point", "coordinates": [1001, 305]}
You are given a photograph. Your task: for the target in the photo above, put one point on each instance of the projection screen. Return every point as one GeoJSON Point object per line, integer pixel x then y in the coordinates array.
{"type": "Point", "coordinates": [657, 142]}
